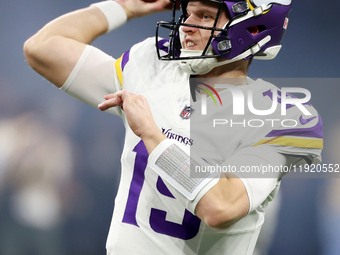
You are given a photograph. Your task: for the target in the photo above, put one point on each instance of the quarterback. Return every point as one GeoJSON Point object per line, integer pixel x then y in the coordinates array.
{"type": "Point", "coordinates": [162, 205]}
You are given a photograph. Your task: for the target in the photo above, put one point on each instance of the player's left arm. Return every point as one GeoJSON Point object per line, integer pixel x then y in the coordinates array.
{"type": "Point", "coordinates": [220, 203]}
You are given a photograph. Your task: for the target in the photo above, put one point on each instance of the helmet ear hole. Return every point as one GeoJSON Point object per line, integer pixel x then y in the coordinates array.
{"type": "Point", "coordinates": [255, 30]}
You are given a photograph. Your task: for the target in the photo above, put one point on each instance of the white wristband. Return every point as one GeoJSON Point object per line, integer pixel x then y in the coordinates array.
{"type": "Point", "coordinates": [114, 13]}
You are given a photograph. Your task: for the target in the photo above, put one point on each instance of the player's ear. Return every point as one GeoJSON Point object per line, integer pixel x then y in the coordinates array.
{"type": "Point", "coordinates": [254, 30]}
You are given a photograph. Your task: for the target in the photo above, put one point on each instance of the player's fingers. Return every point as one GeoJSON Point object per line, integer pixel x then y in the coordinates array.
{"type": "Point", "coordinates": [110, 96]}
{"type": "Point", "coordinates": [130, 101]}
{"type": "Point", "coordinates": [160, 5]}
{"type": "Point", "coordinates": [167, 5]}
{"type": "Point", "coordinates": [125, 96]}
{"type": "Point", "coordinates": [124, 99]}
{"type": "Point", "coordinates": [113, 102]}
{"type": "Point", "coordinates": [106, 105]}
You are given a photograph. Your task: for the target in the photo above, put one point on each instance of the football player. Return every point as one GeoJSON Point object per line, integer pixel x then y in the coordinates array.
{"type": "Point", "coordinates": [161, 207]}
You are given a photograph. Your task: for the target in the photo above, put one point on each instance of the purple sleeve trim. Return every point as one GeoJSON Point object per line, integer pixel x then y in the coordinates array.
{"type": "Point", "coordinates": [315, 131]}
{"type": "Point", "coordinates": [125, 59]}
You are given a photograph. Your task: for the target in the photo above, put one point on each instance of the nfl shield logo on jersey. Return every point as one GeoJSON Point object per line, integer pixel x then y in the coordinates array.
{"type": "Point", "coordinates": [186, 112]}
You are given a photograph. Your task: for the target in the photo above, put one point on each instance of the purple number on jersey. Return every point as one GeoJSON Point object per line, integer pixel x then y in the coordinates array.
{"type": "Point", "coordinates": [136, 183]}
{"type": "Point", "coordinates": [190, 224]}
{"type": "Point", "coordinates": [187, 230]}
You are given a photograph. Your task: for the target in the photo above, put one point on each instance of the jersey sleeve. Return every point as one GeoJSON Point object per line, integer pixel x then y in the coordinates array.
{"type": "Point", "coordinates": [293, 129]}
{"type": "Point", "coordinates": [93, 77]}
{"type": "Point", "coordinates": [120, 65]}
{"type": "Point", "coordinates": [294, 140]}
{"type": "Point", "coordinates": [261, 186]}
{"type": "Point", "coordinates": [131, 71]}
{"type": "Point", "coordinates": [304, 140]}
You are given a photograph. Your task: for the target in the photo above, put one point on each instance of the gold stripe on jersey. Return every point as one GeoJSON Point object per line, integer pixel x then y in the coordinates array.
{"type": "Point", "coordinates": [294, 142]}
{"type": "Point", "coordinates": [119, 70]}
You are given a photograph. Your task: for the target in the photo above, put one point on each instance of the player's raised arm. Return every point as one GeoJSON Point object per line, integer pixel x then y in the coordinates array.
{"type": "Point", "coordinates": [55, 49]}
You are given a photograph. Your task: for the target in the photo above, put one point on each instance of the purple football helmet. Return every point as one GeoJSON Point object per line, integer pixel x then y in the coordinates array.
{"type": "Point", "coordinates": [234, 41]}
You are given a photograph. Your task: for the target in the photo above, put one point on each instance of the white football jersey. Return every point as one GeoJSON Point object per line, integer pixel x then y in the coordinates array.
{"type": "Point", "coordinates": [147, 219]}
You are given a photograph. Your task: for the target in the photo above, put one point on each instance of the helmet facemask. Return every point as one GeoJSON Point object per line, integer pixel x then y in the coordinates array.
{"type": "Point", "coordinates": [176, 35]}
{"type": "Point", "coordinates": [234, 41]}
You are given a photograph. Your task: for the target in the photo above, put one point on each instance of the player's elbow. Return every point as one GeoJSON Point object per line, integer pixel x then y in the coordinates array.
{"type": "Point", "coordinates": [41, 55]}
{"type": "Point", "coordinates": [222, 217]}
{"type": "Point", "coordinates": [32, 50]}
{"type": "Point", "coordinates": [220, 209]}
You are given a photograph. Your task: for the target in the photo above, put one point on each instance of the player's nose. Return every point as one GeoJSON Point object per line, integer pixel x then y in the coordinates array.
{"type": "Point", "coordinates": [188, 29]}
{"type": "Point", "coordinates": [189, 21]}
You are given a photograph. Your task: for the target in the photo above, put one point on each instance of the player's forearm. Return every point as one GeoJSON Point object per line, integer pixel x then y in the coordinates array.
{"type": "Point", "coordinates": [226, 203]}
{"type": "Point", "coordinates": [83, 26]}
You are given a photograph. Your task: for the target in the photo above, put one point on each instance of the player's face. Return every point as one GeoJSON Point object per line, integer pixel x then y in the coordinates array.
{"type": "Point", "coordinates": [201, 14]}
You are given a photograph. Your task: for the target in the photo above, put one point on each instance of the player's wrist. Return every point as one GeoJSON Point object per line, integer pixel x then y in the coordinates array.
{"type": "Point", "coordinates": [128, 12]}
{"type": "Point", "coordinates": [114, 13]}
{"type": "Point", "coordinates": [152, 139]}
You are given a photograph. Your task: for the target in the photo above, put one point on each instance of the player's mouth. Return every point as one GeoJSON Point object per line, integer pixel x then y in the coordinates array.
{"type": "Point", "coordinates": [189, 44]}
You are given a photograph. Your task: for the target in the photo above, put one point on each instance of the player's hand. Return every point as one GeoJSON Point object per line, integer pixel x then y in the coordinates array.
{"type": "Point", "coordinates": [139, 116]}
{"type": "Point", "coordinates": [140, 8]}
{"type": "Point", "coordinates": [111, 101]}
{"type": "Point", "coordinates": [137, 111]}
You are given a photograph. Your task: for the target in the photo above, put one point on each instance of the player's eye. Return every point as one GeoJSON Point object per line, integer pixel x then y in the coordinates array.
{"type": "Point", "coordinates": [207, 16]}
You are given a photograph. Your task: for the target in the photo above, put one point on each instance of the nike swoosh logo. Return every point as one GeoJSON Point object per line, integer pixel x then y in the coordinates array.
{"type": "Point", "coordinates": [305, 121]}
